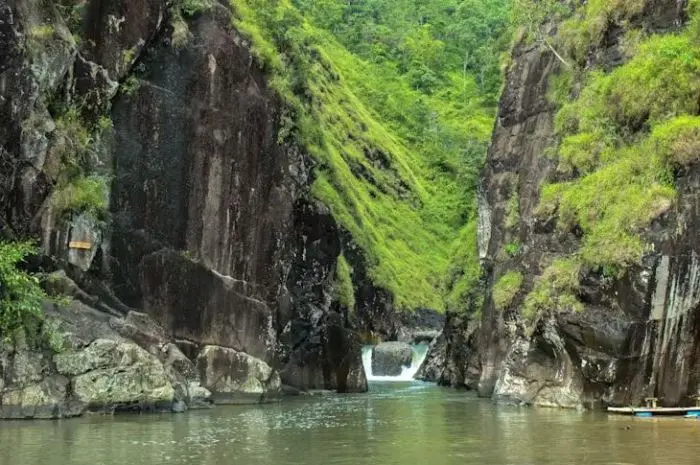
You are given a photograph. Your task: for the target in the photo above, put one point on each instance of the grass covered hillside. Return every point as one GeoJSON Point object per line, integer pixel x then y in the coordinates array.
{"type": "Point", "coordinates": [623, 134]}
{"type": "Point", "coordinates": [395, 99]}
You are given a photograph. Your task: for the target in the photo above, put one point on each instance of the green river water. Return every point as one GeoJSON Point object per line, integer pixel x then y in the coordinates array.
{"type": "Point", "coordinates": [395, 423]}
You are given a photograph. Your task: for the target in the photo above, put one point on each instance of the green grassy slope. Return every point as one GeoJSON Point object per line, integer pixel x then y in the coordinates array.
{"type": "Point", "coordinates": [398, 140]}
{"type": "Point", "coordinates": [624, 133]}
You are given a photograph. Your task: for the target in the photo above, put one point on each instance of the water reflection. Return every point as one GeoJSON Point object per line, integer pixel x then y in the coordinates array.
{"type": "Point", "coordinates": [400, 423]}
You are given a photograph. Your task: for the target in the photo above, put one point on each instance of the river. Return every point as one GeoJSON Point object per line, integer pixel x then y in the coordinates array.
{"type": "Point", "coordinates": [395, 423]}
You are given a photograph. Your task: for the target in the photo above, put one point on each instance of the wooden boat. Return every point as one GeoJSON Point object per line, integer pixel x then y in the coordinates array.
{"type": "Point", "coordinates": [652, 409]}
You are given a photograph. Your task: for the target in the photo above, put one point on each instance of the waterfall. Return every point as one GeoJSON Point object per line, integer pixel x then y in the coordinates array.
{"type": "Point", "coordinates": [420, 351]}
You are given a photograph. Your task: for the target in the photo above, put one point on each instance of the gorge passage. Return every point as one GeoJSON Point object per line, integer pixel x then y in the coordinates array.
{"type": "Point", "coordinates": [209, 202]}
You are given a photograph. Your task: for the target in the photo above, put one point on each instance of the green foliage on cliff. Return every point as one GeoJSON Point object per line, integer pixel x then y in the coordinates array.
{"type": "Point", "coordinates": [344, 290]}
{"type": "Point", "coordinates": [623, 136]}
{"type": "Point", "coordinates": [88, 195]}
{"type": "Point", "coordinates": [462, 282]}
{"type": "Point", "coordinates": [555, 289]}
{"type": "Point", "coordinates": [677, 141]}
{"type": "Point", "coordinates": [192, 7]}
{"type": "Point", "coordinates": [589, 23]}
{"type": "Point", "coordinates": [395, 100]}
{"type": "Point", "coordinates": [20, 293]}
{"type": "Point", "coordinates": [506, 288]}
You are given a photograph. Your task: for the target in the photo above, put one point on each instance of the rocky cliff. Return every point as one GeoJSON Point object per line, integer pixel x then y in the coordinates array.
{"type": "Point", "coordinates": [142, 143]}
{"type": "Point", "coordinates": [625, 336]}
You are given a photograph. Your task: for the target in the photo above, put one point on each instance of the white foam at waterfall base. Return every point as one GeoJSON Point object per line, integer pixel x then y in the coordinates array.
{"type": "Point", "coordinates": [420, 351]}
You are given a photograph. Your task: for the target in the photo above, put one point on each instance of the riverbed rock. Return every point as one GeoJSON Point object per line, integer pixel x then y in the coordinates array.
{"type": "Point", "coordinates": [434, 362]}
{"type": "Point", "coordinates": [85, 360]}
{"type": "Point", "coordinates": [389, 358]}
{"type": "Point", "coordinates": [113, 375]}
{"type": "Point", "coordinates": [237, 378]}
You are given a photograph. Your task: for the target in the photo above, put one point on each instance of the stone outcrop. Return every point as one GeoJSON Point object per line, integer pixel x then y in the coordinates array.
{"type": "Point", "coordinates": [434, 363]}
{"type": "Point", "coordinates": [389, 358]}
{"type": "Point", "coordinates": [212, 233]}
{"type": "Point", "coordinates": [637, 335]}
{"type": "Point", "coordinates": [199, 168]}
{"type": "Point", "coordinates": [236, 377]}
{"type": "Point", "coordinates": [83, 360]}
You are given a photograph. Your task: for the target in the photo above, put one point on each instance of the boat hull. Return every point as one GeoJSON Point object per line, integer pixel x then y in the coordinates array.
{"type": "Point", "coordinates": [658, 411]}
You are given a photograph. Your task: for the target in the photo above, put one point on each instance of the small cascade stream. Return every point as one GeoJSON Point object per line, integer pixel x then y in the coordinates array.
{"type": "Point", "coordinates": [420, 351]}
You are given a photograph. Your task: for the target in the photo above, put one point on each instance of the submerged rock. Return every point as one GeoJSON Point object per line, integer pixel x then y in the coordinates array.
{"type": "Point", "coordinates": [389, 358]}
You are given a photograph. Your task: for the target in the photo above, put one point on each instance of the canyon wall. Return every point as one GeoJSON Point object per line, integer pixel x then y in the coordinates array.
{"type": "Point", "coordinates": [637, 335]}
{"type": "Point", "coordinates": [211, 240]}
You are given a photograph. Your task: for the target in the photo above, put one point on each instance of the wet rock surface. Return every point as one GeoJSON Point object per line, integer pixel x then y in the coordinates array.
{"type": "Point", "coordinates": [235, 377]}
{"type": "Point", "coordinates": [434, 362]}
{"type": "Point", "coordinates": [389, 358]}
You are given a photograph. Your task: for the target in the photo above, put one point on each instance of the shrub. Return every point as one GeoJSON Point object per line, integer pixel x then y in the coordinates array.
{"type": "Point", "coordinates": [506, 288]}
{"type": "Point", "coordinates": [555, 289]}
{"type": "Point", "coordinates": [513, 210]}
{"type": "Point", "coordinates": [73, 142]}
{"type": "Point", "coordinates": [588, 25]}
{"type": "Point", "coordinates": [88, 195]}
{"type": "Point", "coordinates": [193, 7]}
{"type": "Point", "coordinates": [677, 141]}
{"type": "Point", "coordinates": [20, 293]}
{"type": "Point", "coordinates": [512, 249]}
{"type": "Point", "coordinates": [611, 206]}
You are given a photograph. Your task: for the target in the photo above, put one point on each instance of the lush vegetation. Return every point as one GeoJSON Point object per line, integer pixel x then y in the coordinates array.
{"type": "Point", "coordinates": [623, 133]}
{"type": "Point", "coordinates": [555, 289]}
{"type": "Point", "coordinates": [21, 295]}
{"type": "Point", "coordinates": [395, 100]}
{"type": "Point", "coordinates": [344, 290]}
{"type": "Point", "coordinates": [506, 288]}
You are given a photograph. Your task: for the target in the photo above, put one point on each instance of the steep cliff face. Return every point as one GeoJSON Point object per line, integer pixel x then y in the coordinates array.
{"type": "Point", "coordinates": [635, 334]}
{"type": "Point", "coordinates": [211, 230]}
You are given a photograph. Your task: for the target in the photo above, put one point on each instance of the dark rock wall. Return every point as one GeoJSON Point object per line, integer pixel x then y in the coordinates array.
{"type": "Point", "coordinates": [211, 229]}
{"type": "Point", "coordinates": [637, 336]}
{"type": "Point", "coordinates": [199, 168]}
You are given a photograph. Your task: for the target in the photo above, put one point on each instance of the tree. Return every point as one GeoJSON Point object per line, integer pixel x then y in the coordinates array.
{"type": "Point", "coordinates": [20, 293]}
{"type": "Point", "coordinates": [532, 15]}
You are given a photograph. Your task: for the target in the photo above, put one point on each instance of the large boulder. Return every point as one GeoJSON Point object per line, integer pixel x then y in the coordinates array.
{"type": "Point", "coordinates": [237, 378]}
{"type": "Point", "coordinates": [84, 360]}
{"type": "Point", "coordinates": [113, 375]}
{"type": "Point", "coordinates": [389, 358]}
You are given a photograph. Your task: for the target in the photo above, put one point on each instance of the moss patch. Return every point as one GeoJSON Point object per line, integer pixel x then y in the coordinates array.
{"type": "Point", "coordinates": [506, 288]}
{"type": "Point", "coordinates": [622, 137]}
{"type": "Point", "coordinates": [343, 288]}
{"type": "Point", "coordinates": [555, 289]}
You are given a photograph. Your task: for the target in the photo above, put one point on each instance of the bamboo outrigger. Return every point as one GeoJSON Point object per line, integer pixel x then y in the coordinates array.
{"type": "Point", "coordinates": [652, 409]}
